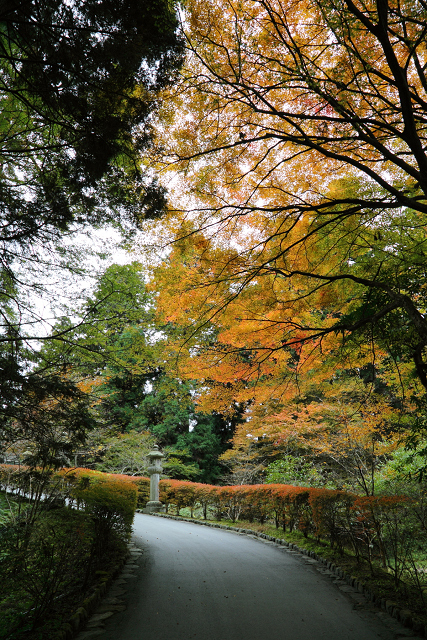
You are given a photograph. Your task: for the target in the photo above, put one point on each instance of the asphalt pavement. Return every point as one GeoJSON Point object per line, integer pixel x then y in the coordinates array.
{"type": "Point", "coordinates": [187, 582]}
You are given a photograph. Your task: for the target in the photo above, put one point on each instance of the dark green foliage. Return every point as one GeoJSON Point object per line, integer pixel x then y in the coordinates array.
{"type": "Point", "coordinates": [165, 407]}
{"type": "Point", "coordinates": [48, 416]}
{"type": "Point", "coordinates": [78, 87]}
{"type": "Point", "coordinates": [179, 464]}
{"type": "Point", "coordinates": [207, 440]}
{"type": "Point", "coordinates": [77, 79]}
{"type": "Point", "coordinates": [40, 563]}
{"type": "Point", "coordinates": [50, 554]}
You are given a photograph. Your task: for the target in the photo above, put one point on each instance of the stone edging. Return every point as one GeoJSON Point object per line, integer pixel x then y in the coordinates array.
{"type": "Point", "coordinates": [404, 616]}
{"type": "Point", "coordinates": [70, 628]}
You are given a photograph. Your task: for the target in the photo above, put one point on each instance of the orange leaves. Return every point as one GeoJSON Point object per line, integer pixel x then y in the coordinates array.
{"type": "Point", "coordinates": [297, 256]}
{"type": "Point", "coordinates": [182, 493]}
{"type": "Point", "coordinates": [366, 506]}
{"type": "Point", "coordinates": [87, 385]}
{"type": "Point", "coordinates": [115, 494]}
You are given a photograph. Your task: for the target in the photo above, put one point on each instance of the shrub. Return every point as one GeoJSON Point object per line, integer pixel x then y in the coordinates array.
{"type": "Point", "coordinates": [51, 554]}
{"type": "Point", "coordinates": [42, 565]}
{"type": "Point", "coordinates": [110, 500]}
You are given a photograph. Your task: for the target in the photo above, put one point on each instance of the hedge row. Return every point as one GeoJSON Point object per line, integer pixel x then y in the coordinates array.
{"type": "Point", "coordinates": [343, 519]}
{"type": "Point", "coordinates": [374, 527]}
{"type": "Point", "coordinates": [107, 497]}
{"type": "Point", "coordinates": [66, 531]}
{"type": "Point", "coordinates": [370, 526]}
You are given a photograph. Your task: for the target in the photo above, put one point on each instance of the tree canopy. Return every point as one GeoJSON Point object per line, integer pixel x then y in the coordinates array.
{"type": "Point", "coordinates": [299, 131]}
{"type": "Point", "coordinates": [292, 288]}
{"type": "Point", "coordinates": [79, 85]}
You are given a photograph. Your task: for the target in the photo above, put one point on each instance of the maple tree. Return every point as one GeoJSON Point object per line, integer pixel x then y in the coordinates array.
{"type": "Point", "coordinates": [298, 132]}
{"type": "Point", "coordinates": [301, 130]}
{"type": "Point", "coordinates": [343, 407]}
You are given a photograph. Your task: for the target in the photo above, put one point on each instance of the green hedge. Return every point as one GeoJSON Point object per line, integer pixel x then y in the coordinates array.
{"type": "Point", "coordinates": [66, 529]}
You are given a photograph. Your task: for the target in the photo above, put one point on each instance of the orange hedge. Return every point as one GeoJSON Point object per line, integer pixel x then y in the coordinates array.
{"type": "Point", "coordinates": [343, 519]}
{"type": "Point", "coordinates": [101, 493]}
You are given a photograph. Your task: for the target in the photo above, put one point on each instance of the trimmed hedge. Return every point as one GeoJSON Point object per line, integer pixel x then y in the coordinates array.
{"type": "Point", "coordinates": [365, 525]}
{"type": "Point", "coordinates": [372, 527]}
{"type": "Point", "coordinates": [67, 529]}
{"type": "Point", "coordinates": [102, 495]}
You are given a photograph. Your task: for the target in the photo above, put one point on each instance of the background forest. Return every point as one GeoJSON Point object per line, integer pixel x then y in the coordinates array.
{"type": "Point", "coordinates": [264, 165]}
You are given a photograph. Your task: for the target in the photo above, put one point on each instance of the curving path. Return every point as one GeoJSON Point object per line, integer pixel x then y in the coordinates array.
{"type": "Point", "coordinates": [195, 582]}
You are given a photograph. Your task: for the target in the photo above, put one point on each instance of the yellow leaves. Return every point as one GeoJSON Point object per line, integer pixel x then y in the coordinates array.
{"type": "Point", "coordinates": [362, 428]}
{"type": "Point", "coordinates": [88, 385]}
{"type": "Point", "coordinates": [281, 108]}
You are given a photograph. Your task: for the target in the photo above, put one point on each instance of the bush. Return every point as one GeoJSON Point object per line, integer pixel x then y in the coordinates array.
{"type": "Point", "coordinates": [110, 501]}
{"type": "Point", "coordinates": [50, 554]}
{"type": "Point", "coordinates": [42, 564]}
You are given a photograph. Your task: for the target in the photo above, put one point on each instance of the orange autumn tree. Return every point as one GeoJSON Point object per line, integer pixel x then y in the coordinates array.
{"type": "Point", "coordinates": [297, 139]}
{"type": "Point", "coordinates": [296, 122]}
{"type": "Point", "coordinates": [312, 397]}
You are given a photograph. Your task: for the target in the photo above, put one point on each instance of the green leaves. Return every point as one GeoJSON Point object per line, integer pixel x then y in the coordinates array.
{"type": "Point", "coordinates": [293, 469]}
{"type": "Point", "coordinates": [79, 84]}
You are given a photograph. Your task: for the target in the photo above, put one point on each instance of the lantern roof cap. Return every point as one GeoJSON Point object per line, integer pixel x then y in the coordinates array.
{"type": "Point", "coordinates": [156, 453]}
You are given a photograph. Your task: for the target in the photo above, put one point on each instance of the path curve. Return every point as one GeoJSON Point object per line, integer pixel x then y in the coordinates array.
{"type": "Point", "coordinates": [201, 583]}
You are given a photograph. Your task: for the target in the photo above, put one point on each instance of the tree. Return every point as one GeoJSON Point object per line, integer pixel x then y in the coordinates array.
{"type": "Point", "coordinates": [293, 470]}
{"type": "Point", "coordinates": [118, 353]}
{"type": "Point", "coordinates": [112, 325]}
{"type": "Point", "coordinates": [343, 406]}
{"type": "Point", "coordinates": [300, 130]}
{"type": "Point", "coordinates": [125, 453]}
{"type": "Point", "coordinates": [78, 88]}
{"type": "Point", "coordinates": [46, 421]}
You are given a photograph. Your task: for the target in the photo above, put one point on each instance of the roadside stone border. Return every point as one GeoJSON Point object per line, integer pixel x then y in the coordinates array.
{"type": "Point", "coordinates": [89, 607]}
{"type": "Point", "coordinates": [404, 616]}
{"type": "Point", "coordinates": [114, 598]}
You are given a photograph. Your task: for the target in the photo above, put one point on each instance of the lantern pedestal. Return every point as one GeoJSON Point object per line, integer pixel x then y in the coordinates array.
{"type": "Point", "coordinates": [153, 507]}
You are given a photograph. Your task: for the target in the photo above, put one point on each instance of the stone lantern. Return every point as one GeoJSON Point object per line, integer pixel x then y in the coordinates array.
{"type": "Point", "coordinates": [154, 470]}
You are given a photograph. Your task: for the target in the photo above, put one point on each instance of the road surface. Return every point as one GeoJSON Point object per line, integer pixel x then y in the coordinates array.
{"type": "Point", "coordinates": [199, 583]}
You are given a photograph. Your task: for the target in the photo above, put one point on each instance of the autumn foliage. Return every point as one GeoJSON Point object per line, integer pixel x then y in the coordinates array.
{"type": "Point", "coordinates": [367, 526]}
{"type": "Point", "coordinates": [62, 533]}
{"type": "Point", "coordinates": [343, 519]}
{"type": "Point", "coordinates": [110, 500]}
{"type": "Point", "coordinates": [107, 497]}
{"type": "Point", "coordinates": [296, 263]}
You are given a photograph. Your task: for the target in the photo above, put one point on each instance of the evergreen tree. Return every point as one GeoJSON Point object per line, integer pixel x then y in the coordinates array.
{"type": "Point", "coordinates": [78, 89]}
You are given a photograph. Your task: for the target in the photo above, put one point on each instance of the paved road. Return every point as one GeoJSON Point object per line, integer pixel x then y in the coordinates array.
{"type": "Point", "coordinates": [200, 583]}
